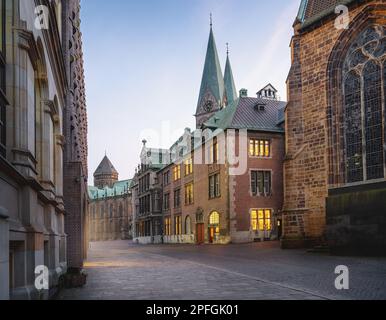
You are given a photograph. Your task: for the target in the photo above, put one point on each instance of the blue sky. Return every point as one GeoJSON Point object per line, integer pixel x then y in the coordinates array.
{"type": "Point", "coordinates": [144, 62]}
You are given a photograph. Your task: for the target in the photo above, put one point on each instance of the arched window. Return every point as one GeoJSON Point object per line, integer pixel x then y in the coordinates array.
{"type": "Point", "coordinates": [188, 225]}
{"type": "Point", "coordinates": [363, 106]}
{"type": "Point", "coordinates": [214, 219]}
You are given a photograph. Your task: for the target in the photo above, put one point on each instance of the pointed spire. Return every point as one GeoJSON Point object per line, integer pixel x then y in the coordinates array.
{"type": "Point", "coordinates": [230, 86]}
{"type": "Point", "coordinates": [212, 79]}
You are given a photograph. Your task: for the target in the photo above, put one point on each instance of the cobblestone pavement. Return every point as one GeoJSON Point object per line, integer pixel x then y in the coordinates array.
{"type": "Point", "coordinates": [124, 271]}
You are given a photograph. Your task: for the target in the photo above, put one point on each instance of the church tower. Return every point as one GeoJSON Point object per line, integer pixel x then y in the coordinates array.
{"type": "Point", "coordinates": [105, 175]}
{"type": "Point", "coordinates": [212, 93]}
{"type": "Point", "coordinates": [230, 87]}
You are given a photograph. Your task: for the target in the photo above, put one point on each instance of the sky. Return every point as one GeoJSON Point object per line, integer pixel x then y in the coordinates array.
{"type": "Point", "coordinates": [144, 62]}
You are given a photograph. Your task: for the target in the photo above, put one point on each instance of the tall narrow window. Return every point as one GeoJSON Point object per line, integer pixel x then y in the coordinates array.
{"type": "Point", "coordinates": [353, 127]}
{"type": "Point", "coordinates": [373, 126]}
{"type": "Point", "coordinates": [364, 107]}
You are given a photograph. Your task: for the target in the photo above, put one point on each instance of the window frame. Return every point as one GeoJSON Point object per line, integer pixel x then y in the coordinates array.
{"type": "Point", "coordinates": [260, 148]}
{"type": "Point", "coordinates": [261, 179]}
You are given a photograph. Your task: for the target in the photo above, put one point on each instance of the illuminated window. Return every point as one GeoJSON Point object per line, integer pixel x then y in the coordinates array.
{"type": "Point", "coordinates": [189, 166]}
{"type": "Point", "coordinates": [259, 148]}
{"type": "Point", "coordinates": [168, 231]}
{"type": "Point", "coordinates": [261, 220]}
{"type": "Point", "coordinates": [261, 183]}
{"type": "Point", "coordinates": [177, 172]}
{"type": "Point", "coordinates": [214, 222]}
{"type": "Point", "coordinates": [178, 225]}
{"type": "Point", "coordinates": [189, 194]}
{"type": "Point", "coordinates": [214, 218]}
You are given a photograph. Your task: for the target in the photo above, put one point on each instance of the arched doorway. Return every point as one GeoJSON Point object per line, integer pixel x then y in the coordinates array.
{"type": "Point", "coordinates": [214, 226]}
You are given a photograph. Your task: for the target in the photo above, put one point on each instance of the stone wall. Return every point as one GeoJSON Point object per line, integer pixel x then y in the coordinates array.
{"type": "Point", "coordinates": [308, 143]}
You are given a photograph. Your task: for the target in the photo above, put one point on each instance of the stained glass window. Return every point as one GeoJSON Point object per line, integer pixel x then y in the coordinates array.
{"type": "Point", "coordinates": [363, 75]}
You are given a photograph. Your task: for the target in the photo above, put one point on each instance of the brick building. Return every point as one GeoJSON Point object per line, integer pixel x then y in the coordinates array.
{"type": "Point", "coordinates": [34, 143]}
{"type": "Point", "coordinates": [335, 123]}
{"type": "Point", "coordinates": [222, 182]}
{"type": "Point", "coordinates": [110, 207]}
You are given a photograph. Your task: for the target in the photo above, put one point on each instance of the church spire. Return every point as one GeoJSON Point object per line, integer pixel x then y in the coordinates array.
{"type": "Point", "coordinates": [212, 91]}
{"type": "Point", "coordinates": [229, 81]}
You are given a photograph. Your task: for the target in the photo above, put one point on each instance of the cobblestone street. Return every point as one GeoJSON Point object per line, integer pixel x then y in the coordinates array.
{"type": "Point", "coordinates": [121, 270]}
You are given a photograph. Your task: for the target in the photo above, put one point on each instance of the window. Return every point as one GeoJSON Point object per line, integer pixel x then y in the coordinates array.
{"type": "Point", "coordinates": [167, 201]}
{"type": "Point", "coordinates": [214, 222]}
{"type": "Point", "coordinates": [189, 192]}
{"type": "Point", "coordinates": [178, 225]}
{"type": "Point", "coordinates": [261, 220]}
{"type": "Point", "coordinates": [168, 231]}
{"type": "Point", "coordinates": [259, 148]}
{"type": "Point", "coordinates": [189, 166]}
{"type": "Point", "coordinates": [177, 172]}
{"type": "Point", "coordinates": [363, 106]}
{"type": "Point", "coordinates": [166, 178]}
{"type": "Point", "coordinates": [214, 152]}
{"type": "Point", "coordinates": [214, 186]}
{"type": "Point", "coordinates": [2, 80]}
{"type": "Point", "coordinates": [177, 198]}
{"type": "Point", "coordinates": [261, 183]}
{"type": "Point", "coordinates": [188, 225]}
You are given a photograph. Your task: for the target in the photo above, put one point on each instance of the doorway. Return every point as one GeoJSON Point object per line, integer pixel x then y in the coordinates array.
{"type": "Point", "coordinates": [200, 233]}
{"type": "Point", "coordinates": [214, 227]}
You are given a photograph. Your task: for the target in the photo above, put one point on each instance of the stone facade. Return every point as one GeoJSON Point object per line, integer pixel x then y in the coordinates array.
{"type": "Point", "coordinates": [75, 132]}
{"type": "Point", "coordinates": [318, 189]}
{"type": "Point", "coordinates": [33, 147]}
{"type": "Point", "coordinates": [110, 208]}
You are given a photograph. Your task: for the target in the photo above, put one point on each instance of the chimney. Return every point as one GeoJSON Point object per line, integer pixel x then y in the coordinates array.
{"type": "Point", "coordinates": [243, 93]}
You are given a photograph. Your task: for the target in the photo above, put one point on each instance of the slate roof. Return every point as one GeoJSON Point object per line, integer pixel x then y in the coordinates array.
{"type": "Point", "coordinates": [105, 168]}
{"type": "Point", "coordinates": [245, 114]}
{"type": "Point", "coordinates": [311, 11]}
{"type": "Point", "coordinates": [119, 188]}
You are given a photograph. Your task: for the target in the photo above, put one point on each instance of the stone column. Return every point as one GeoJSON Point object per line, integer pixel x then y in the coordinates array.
{"type": "Point", "coordinates": [4, 255]}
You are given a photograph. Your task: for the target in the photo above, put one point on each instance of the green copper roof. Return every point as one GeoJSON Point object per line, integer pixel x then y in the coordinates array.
{"type": "Point", "coordinates": [223, 118]}
{"type": "Point", "coordinates": [119, 188]}
{"type": "Point", "coordinates": [229, 81]}
{"type": "Point", "coordinates": [212, 78]}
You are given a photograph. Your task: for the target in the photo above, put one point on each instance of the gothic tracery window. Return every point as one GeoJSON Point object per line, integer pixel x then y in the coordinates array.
{"type": "Point", "coordinates": [364, 109]}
